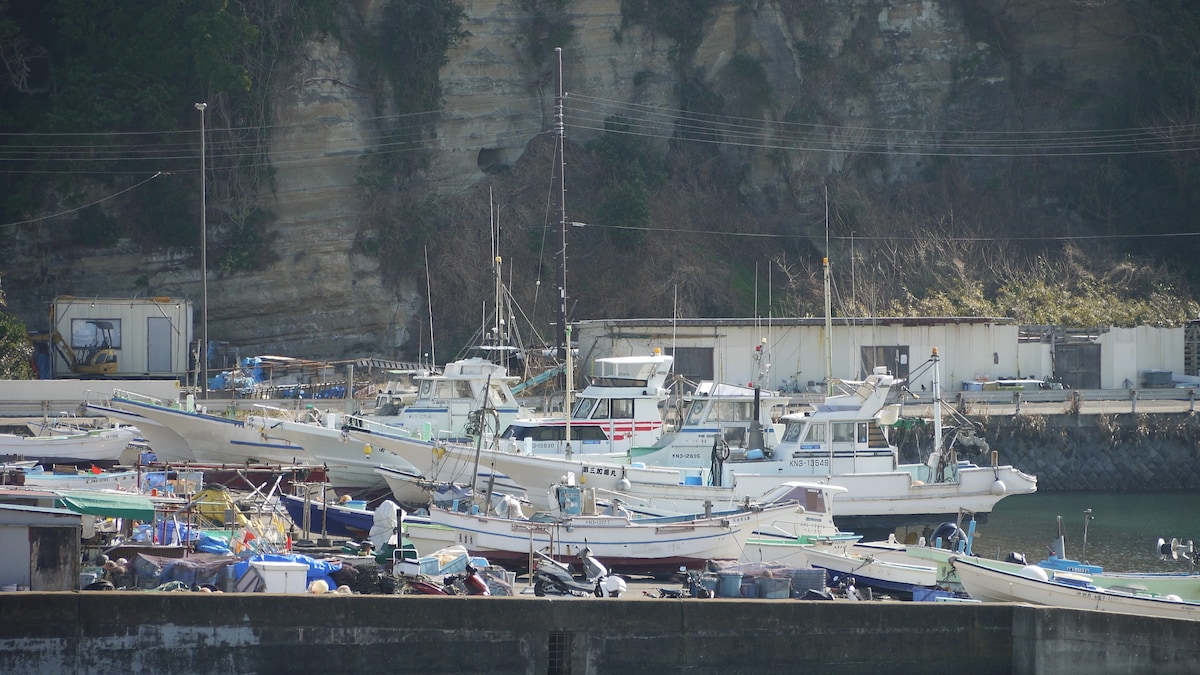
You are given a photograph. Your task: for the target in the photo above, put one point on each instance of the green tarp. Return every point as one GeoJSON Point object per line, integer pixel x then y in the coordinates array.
{"type": "Point", "coordinates": [107, 505]}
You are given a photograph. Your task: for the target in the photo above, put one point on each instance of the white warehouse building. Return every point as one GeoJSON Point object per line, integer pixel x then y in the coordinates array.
{"type": "Point", "coordinates": [790, 354]}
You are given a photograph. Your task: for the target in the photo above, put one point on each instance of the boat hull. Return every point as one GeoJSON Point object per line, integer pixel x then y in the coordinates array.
{"type": "Point", "coordinates": [101, 447]}
{"type": "Point", "coordinates": [330, 519]}
{"type": "Point", "coordinates": [991, 585]}
{"type": "Point", "coordinates": [882, 500]}
{"type": "Point", "coordinates": [622, 544]}
{"type": "Point", "coordinates": [218, 440]}
{"type": "Point", "coordinates": [351, 469]}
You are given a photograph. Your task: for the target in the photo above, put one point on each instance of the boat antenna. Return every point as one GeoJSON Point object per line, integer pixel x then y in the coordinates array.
{"type": "Point", "coordinates": [1087, 515]}
{"type": "Point", "coordinates": [429, 299]}
{"type": "Point", "coordinates": [828, 307]}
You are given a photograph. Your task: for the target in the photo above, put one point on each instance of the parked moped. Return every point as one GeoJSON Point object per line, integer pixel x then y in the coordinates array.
{"type": "Point", "coordinates": [551, 577]}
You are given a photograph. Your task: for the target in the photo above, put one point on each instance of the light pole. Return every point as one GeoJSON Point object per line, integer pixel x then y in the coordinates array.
{"type": "Point", "coordinates": [203, 263]}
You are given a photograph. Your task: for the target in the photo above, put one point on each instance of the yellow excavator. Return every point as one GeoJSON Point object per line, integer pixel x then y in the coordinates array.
{"type": "Point", "coordinates": [98, 360]}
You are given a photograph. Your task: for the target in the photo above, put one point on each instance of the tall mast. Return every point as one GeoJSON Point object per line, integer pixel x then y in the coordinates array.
{"type": "Point", "coordinates": [560, 130]}
{"type": "Point", "coordinates": [564, 332]}
{"type": "Point", "coordinates": [828, 307]}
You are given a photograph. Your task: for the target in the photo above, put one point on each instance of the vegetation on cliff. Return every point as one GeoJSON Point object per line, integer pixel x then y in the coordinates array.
{"type": "Point", "coordinates": [704, 218]}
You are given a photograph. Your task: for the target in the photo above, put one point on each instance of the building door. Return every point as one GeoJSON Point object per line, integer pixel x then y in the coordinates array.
{"type": "Point", "coordinates": [1077, 364]}
{"type": "Point", "coordinates": [693, 363]}
{"type": "Point", "coordinates": [895, 357]}
{"type": "Point", "coordinates": [158, 344]}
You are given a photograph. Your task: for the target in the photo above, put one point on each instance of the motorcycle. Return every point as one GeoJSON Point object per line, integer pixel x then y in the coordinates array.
{"type": "Point", "coordinates": [692, 588]}
{"type": "Point", "coordinates": [469, 582]}
{"type": "Point", "coordinates": [551, 577]}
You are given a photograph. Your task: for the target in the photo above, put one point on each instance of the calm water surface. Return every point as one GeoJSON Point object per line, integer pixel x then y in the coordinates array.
{"type": "Point", "coordinates": [1121, 536]}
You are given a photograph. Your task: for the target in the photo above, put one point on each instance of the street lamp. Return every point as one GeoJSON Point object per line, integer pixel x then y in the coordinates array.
{"type": "Point", "coordinates": [203, 263]}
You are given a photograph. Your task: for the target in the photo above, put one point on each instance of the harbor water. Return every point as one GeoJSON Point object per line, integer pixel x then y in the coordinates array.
{"type": "Point", "coordinates": [1121, 534]}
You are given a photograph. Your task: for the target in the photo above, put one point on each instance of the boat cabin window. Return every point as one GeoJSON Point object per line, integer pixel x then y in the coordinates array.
{"type": "Point", "coordinates": [696, 412]}
{"type": "Point", "coordinates": [496, 396]}
{"type": "Point", "coordinates": [426, 389]}
{"type": "Point", "coordinates": [555, 433]}
{"type": "Point", "coordinates": [816, 434]}
{"type": "Point", "coordinates": [813, 501]}
{"type": "Point", "coordinates": [791, 431]}
{"type": "Point", "coordinates": [843, 432]}
{"type": "Point", "coordinates": [732, 411]}
{"type": "Point", "coordinates": [862, 432]}
{"type": "Point", "coordinates": [622, 408]}
{"type": "Point", "coordinates": [583, 408]}
{"type": "Point", "coordinates": [601, 411]}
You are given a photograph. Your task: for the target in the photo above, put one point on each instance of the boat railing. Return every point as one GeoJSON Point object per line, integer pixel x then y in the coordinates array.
{"type": "Point", "coordinates": [363, 423]}
{"type": "Point", "coordinates": [272, 412]}
{"type": "Point", "coordinates": [145, 399]}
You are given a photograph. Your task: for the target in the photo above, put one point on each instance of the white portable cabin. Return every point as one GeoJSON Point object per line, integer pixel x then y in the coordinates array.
{"type": "Point", "coordinates": [150, 335]}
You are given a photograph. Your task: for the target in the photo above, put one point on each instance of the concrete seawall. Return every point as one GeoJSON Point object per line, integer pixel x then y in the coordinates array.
{"type": "Point", "coordinates": [233, 633]}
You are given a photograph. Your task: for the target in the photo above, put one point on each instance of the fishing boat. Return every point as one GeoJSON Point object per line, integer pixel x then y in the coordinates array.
{"type": "Point", "coordinates": [102, 447]}
{"type": "Point", "coordinates": [788, 540]}
{"type": "Point", "coordinates": [168, 446]}
{"type": "Point", "coordinates": [1037, 585]}
{"type": "Point", "coordinates": [80, 479]}
{"type": "Point", "coordinates": [619, 409]}
{"type": "Point", "coordinates": [956, 540]}
{"type": "Point", "coordinates": [350, 519]}
{"type": "Point", "coordinates": [210, 438]}
{"type": "Point", "coordinates": [442, 409]}
{"type": "Point", "coordinates": [350, 465]}
{"type": "Point", "coordinates": [652, 545]}
{"type": "Point", "coordinates": [734, 419]}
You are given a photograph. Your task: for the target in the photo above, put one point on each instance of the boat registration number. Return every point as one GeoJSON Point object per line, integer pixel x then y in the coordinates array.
{"type": "Point", "coordinates": [810, 462]}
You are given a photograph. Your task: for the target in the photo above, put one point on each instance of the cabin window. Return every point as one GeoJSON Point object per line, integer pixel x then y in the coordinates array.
{"type": "Point", "coordinates": [816, 434]}
{"type": "Point", "coordinates": [426, 389]}
{"type": "Point", "coordinates": [462, 389]}
{"type": "Point", "coordinates": [862, 432]}
{"type": "Point", "coordinates": [843, 432]}
{"type": "Point", "coordinates": [601, 411]}
{"type": "Point", "coordinates": [732, 411]}
{"type": "Point", "coordinates": [583, 409]}
{"type": "Point", "coordinates": [496, 396]}
{"type": "Point", "coordinates": [622, 408]}
{"type": "Point", "coordinates": [791, 432]}
{"type": "Point", "coordinates": [814, 501]}
{"type": "Point", "coordinates": [696, 412]}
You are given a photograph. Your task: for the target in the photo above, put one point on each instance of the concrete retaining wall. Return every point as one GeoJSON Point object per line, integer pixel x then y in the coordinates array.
{"type": "Point", "coordinates": [232, 633]}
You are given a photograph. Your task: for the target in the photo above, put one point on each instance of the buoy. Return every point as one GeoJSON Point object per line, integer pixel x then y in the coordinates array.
{"type": "Point", "coordinates": [998, 487]}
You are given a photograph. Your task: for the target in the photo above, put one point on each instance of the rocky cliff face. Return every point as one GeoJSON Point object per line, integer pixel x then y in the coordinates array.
{"type": "Point", "coordinates": [846, 68]}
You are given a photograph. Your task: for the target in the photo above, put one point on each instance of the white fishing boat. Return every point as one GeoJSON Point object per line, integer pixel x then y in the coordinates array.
{"type": "Point", "coordinates": [619, 409]}
{"type": "Point", "coordinates": [632, 545]}
{"type": "Point", "coordinates": [168, 446]}
{"type": "Point", "coordinates": [788, 540]}
{"type": "Point", "coordinates": [350, 465]}
{"type": "Point", "coordinates": [448, 403]}
{"type": "Point", "coordinates": [214, 439]}
{"type": "Point", "coordinates": [411, 488]}
{"type": "Point", "coordinates": [1039, 586]}
{"type": "Point", "coordinates": [80, 480]}
{"type": "Point", "coordinates": [718, 420]}
{"type": "Point", "coordinates": [442, 410]}
{"type": "Point", "coordinates": [956, 540]}
{"type": "Point", "coordinates": [99, 446]}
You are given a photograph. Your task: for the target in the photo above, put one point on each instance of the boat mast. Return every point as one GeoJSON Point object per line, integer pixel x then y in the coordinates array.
{"type": "Point", "coordinates": [828, 307]}
{"type": "Point", "coordinates": [564, 333]}
{"type": "Point", "coordinates": [937, 407]}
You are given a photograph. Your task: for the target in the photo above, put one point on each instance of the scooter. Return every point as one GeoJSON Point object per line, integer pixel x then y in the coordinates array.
{"type": "Point", "coordinates": [468, 583]}
{"type": "Point", "coordinates": [551, 577]}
